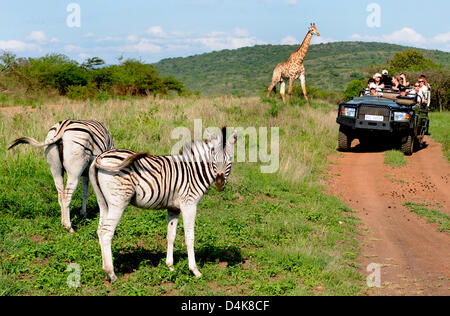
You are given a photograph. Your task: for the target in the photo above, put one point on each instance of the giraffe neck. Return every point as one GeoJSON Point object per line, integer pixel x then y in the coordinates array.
{"type": "Point", "coordinates": [303, 49]}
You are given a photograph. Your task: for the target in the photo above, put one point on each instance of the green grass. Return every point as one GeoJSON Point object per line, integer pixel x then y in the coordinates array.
{"type": "Point", "coordinates": [440, 130]}
{"type": "Point", "coordinates": [394, 158]}
{"type": "Point", "coordinates": [265, 234]}
{"type": "Point", "coordinates": [433, 215]}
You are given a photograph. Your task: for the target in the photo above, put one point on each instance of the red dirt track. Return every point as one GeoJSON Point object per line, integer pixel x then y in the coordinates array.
{"type": "Point", "coordinates": [414, 257]}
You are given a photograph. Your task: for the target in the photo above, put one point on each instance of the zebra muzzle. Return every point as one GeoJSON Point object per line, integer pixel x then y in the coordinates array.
{"type": "Point", "coordinates": [220, 182]}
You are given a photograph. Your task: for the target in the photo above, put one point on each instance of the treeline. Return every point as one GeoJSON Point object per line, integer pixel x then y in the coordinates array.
{"type": "Point", "coordinates": [413, 63]}
{"type": "Point", "coordinates": [57, 74]}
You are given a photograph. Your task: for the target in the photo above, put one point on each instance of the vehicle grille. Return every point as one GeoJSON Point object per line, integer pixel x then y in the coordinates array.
{"type": "Point", "coordinates": [374, 110]}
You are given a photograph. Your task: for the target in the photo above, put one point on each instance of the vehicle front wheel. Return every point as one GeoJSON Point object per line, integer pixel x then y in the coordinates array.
{"type": "Point", "coordinates": [408, 146]}
{"type": "Point", "coordinates": [344, 139]}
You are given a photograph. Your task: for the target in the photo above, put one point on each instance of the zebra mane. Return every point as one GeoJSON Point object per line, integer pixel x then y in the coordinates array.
{"type": "Point", "coordinates": [194, 150]}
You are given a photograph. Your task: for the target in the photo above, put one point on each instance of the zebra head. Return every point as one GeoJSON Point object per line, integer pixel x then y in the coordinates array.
{"type": "Point", "coordinates": [222, 152]}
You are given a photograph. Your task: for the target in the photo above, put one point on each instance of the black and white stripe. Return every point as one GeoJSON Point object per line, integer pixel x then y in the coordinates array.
{"type": "Point", "coordinates": [176, 183]}
{"type": "Point", "coordinates": [71, 145]}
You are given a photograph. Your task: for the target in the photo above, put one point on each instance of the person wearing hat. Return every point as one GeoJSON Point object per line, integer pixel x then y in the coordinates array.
{"type": "Point", "coordinates": [373, 89]}
{"type": "Point", "coordinates": [385, 79]}
{"type": "Point", "coordinates": [402, 91]}
{"type": "Point", "coordinates": [378, 82]}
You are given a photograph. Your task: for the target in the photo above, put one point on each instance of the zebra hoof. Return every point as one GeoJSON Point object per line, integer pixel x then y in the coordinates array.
{"type": "Point", "coordinates": [196, 273]}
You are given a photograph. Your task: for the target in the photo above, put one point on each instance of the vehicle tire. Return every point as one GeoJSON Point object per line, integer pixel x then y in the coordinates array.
{"type": "Point", "coordinates": [344, 139]}
{"type": "Point", "coordinates": [408, 146]}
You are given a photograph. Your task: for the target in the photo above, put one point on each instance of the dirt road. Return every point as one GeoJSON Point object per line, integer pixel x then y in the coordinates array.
{"type": "Point", "coordinates": [414, 258]}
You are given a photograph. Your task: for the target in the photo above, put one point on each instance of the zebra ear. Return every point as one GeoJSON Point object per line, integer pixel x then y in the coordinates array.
{"type": "Point", "coordinates": [233, 138]}
{"type": "Point", "coordinates": [209, 136]}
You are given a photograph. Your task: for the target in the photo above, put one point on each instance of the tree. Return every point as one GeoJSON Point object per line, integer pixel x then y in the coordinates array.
{"type": "Point", "coordinates": [410, 59]}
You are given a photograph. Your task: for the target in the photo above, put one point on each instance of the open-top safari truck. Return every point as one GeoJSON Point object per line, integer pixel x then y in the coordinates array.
{"type": "Point", "coordinates": [387, 114]}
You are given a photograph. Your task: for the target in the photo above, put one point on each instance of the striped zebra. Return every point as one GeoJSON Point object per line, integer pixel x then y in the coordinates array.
{"type": "Point", "coordinates": [176, 183]}
{"type": "Point", "coordinates": [71, 145]}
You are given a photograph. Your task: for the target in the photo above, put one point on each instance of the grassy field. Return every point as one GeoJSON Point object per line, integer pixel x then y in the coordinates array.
{"type": "Point", "coordinates": [266, 234]}
{"type": "Point", "coordinates": [440, 130]}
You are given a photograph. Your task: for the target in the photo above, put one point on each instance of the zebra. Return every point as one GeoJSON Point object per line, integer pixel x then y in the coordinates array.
{"type": "Point", "coordinates": [176, 183]}
{"type": "Point", "coordinates": [71, 145]}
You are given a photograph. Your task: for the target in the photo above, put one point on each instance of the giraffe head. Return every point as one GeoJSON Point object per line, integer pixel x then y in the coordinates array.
{"type": "Point", "coordinates": [313, 29]}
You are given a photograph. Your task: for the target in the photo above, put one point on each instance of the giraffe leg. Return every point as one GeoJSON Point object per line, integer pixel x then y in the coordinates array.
{"type": "Point", "coordinates": [291, 84]}
{"type": "Point", "coordinates": [303, 81]}
{"type": "Point", "coordinates": [282, 91]}
{"type": "Point", "coordinates": [269, 90]}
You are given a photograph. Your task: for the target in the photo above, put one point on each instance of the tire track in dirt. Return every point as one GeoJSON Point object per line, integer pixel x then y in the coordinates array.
{"type": "Point", "coordinates": [414, 257]}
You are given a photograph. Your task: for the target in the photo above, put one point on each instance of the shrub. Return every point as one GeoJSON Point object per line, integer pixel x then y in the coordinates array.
{"type": "Point", "coordinates": [58, 74]}
{"type": "Point", "coordinates": [80, 92]}
{"type": "Point", "coordinates": [353, 89]}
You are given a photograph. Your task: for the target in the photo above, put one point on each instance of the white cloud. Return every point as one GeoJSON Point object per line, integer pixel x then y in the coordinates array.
{"type": "Point", "coordinates": [289, 40]}
{"type": "Point", "coordinates": [291, 3]}
{"type": "Point", "coordinates": [54, 40]}
{"type": "Point", "coordinates": [156, 31]}
{"type": "Point", "coordinates": [109, 39]}
{"type": "Point", "coordinates": [89, 35]}
{"type": "Point", "coordinates": [321, 40]}
{"type": "Point", "coordinates": [241, 32]}
{"type": "Point", "coordinates": [72, 48]}
{"type": "Point", "coordinates": [221, 40]}
{"type": "Point", "coordinates": [37, 36]}
{"type": "Point", "coordinates": [14, 45]}
{"type": "Point", "coordinates": [441, 38]}
{"type": "Point", "coordinates": [132, 38]}
{"type": "Point", "coordinates": [405, 35]}
{"type": "Point", "coordinates": [144, 46]}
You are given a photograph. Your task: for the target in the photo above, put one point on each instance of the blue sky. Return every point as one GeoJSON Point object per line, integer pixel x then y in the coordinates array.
{"type": "Point", "coordinates": [152, 30]}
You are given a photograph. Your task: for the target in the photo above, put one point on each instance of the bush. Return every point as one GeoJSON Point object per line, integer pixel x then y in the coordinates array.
{"type": "Point", "coordinates": [57, 74]}
{"type": "Point", "coordinates": [410, 59]}
{"type": "Point", "coordinates": [353, 89]}
{"type": "Point", "coordinates": [439, 80]}
{"type": "Point", "coordinates": [82, 92]}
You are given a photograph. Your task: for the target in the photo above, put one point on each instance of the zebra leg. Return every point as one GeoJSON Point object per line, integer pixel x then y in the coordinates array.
{"type": "Point", "coordinates": [103, 206]}
{"type": "Point", "coordinates": [85, 181]}
{"type": "Point", "coordinates": [172, 222]}
{"type": "Point", "coordinates": [189, 213]}
{"type": "Point", "coordinates": [56, 167]}
{"type": "Point", "coordinates": [75, 163]}
{"type": "Point", "coordinates": [105, 232]}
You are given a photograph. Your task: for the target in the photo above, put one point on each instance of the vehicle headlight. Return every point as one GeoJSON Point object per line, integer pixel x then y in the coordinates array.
{"type": "Point", "coordinates": [401, 116]}
{"type": "Point", "coordinates": [348, 111]}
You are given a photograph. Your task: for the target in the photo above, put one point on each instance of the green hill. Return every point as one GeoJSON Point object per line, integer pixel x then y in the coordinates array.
{"type": "Point", "coordinates": [248, 70]}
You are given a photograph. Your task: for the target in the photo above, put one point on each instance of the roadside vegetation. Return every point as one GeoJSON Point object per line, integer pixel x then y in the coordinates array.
{"type": "Point", "coordinates": [432, 214]}
{"type": "Point", "coordinates": [440, 130]}
{"type": "Point", "coordinates": [33, 81]}
{"type": "Point", "coordinates": [266, 234]}
{"type": "Point", "coordinates": [394, 158]}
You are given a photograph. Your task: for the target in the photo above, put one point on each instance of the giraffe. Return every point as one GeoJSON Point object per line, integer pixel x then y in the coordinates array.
{"type": "Point", "coordinates": [293, 68]}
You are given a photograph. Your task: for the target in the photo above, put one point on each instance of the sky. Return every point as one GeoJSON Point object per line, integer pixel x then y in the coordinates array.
{"type": "Point", "coordinates": [152, 30]}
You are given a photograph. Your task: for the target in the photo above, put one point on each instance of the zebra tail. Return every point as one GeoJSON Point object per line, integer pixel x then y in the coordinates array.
{"type": "Point", "coordinates": [31, 141]}
{"type": "Point", "coordinates": [125, 163]}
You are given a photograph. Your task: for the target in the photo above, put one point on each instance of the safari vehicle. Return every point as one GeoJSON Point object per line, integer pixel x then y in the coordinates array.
{"type": "Point", "coordinates": [398, 119]}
